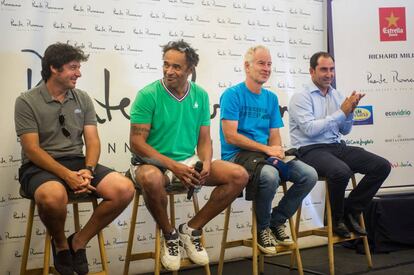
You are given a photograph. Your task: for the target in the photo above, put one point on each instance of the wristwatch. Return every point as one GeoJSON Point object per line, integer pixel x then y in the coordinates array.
{"type": "Point", "coordinates": [91, 169]}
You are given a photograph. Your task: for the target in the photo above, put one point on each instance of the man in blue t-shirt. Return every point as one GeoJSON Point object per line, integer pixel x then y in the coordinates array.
{"type": "Point", "coordinates": [250, 120]}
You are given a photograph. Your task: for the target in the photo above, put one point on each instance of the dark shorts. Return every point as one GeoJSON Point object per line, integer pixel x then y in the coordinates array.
{"type": "Point", "coordinates": [32, 176]}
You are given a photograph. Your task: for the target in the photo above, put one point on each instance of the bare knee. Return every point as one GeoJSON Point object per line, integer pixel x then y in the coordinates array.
{"type": "Point", "coordinates": [150, 179]}
{"type": "Point", "coordinates": [51, 196]}
{"type": "Point", "coordinates": [124, 188]}
{"type": "Point", "coordinates": [239, 177]}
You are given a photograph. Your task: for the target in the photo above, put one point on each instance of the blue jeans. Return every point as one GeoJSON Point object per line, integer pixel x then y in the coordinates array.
{"type": "Point", "coordinates": [303, 177]}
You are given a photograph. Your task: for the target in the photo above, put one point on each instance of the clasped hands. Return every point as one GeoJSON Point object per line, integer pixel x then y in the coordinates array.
{"type": "Point", "coordinates": [80, 181]}
{"type": "Point", "coordinates": [189, 176]}
{"type": "Point", "coordinates": [351, 102]}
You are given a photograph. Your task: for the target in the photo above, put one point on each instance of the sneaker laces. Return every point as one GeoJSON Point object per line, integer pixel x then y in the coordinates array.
{"type": "Point", "coordinates": [280, 232]}
{"type": "Point", "coordinates": [196, 240]}
{"type": "Point", "coordinates": [172, 247]}
{"type": "Point", "coordinates": [265, 237]}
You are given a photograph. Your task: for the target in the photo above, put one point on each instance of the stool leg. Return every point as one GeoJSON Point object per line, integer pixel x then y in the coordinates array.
{"type": "Point", "coordinates": [101, 243]}
{"type": "Point", "coordinates": [254, 240]}
{"type": "Point", "coordinates": [46, 255]}
{"type": "Point", "coordinates": [157, 257]}
{"type": "Point", "coordinates": [172, 217]}
{"type": "Point", "coordinates": [293, 234]}
{"type": "Point", "coordinates": [131, 233]}
{"type": "Point", "coordinates": [365, 238]}
{"type": "Point", "coordinates": [27, 239]}
{"type": "Point", "coordinates": [298, 213]}
{"type": "Point", "coordinates": [261, 262]}
{"type": "Point", "coordinates": [76, 216]}
{"type": "Point", "coordinates": [203, 241]}
{"type": "Point", "coordinates": [330, 234]}
{"type": "Point", "coordinates": [224, 240]}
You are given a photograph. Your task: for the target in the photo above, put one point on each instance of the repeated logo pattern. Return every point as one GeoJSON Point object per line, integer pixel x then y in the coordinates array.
{"type": "Point", "coordinates": [123, 39]}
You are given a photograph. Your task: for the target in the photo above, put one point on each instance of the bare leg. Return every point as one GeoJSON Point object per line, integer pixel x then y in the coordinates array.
{"type": "Point", "coordinates": [51, 200]}
{"type": "Point", "coordinates": [117, 192]}
{"type": "Point", "coordinates": [153, 183]}
{"type": "Point", "coordinates": [230, 180]}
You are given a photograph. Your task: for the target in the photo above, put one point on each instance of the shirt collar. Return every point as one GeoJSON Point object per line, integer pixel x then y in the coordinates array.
{"type": "Point", "coordinates": [47, 97]}
{"type": "Point", "coordinates": [312, 88]}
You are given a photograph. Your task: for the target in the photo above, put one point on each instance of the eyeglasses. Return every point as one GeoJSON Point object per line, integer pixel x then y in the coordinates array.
{"type": "Point", "coordinates": [173, 45]}
{"type": "Point", "coordinates": [65, 131]}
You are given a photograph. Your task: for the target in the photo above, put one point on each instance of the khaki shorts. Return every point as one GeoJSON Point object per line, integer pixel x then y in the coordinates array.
{"type": "Point", "coordinates": [175, 184]}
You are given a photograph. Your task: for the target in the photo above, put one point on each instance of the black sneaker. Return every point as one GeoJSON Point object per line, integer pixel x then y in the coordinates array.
{"type": "Point", "coordinates": [280, 235]}
{"type": "Point", "coordinates": [80, 261]}
{"type": "Point", "coordinates": [266, 241]}
{"type": "Point", "coordinates": [62, 260]}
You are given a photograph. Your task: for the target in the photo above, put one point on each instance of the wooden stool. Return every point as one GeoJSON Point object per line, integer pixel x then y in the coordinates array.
{"type": "Point", "coordinates": [294, 248]}
{"type": "Point", "coordinates": [46, 258]}
{"type": "Point", "coordinates": [326, 231]}
{"type": "Point", "coordinates": [156, 255]}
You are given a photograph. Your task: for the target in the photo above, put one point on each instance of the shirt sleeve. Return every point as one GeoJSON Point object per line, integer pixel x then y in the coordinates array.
{"type": "Point", "coordinates": [90, 114]}
{"type": "Point", "coordinates": [206, 111]}
{"type": "Point", "coordinates": [275, 116]}
{"type": "Point", "coordinates": [229, 105]}
{"type": "Point", "coordinates": [301, 111]}
{"type": "Point", "coordinates": [24, 119]}
{"type": "Point", "coordinates": [142, 109]}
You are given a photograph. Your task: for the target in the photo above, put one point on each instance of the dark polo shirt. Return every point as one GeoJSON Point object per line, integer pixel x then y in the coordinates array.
{"type": "Point", "coordinates": [36, 111]}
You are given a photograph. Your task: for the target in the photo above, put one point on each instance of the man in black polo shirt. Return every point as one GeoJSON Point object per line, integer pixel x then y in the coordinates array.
{"type": "Point", "coordinates": [53, 120]}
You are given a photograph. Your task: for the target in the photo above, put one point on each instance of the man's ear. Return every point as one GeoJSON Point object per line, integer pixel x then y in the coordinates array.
{"type": "Point", "coordinates": [53, 69]}
{"type": "Point", "coordinates": [311, 70]}
{"type": "Point", "coordinates": [246, 65]}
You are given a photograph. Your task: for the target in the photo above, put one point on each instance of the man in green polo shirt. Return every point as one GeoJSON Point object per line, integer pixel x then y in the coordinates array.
{"type": "Point", "coordinates": [170, 132]}
{"type": "Point", "coordinates": [53, 120]}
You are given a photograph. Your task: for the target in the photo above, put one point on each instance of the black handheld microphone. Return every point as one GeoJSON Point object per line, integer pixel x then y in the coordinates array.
{"type": "Point", "coordinates": [198, 167]}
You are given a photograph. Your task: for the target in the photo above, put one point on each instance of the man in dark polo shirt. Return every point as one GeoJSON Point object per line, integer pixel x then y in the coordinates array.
{"type": "Point", "coordinates": [54, 121]}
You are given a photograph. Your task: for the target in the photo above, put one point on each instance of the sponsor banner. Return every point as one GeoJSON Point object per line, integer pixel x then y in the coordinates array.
{"type": "Point", "coordinates": [123, 39]}
{"type": "Point", "coordinates": [380, 66]}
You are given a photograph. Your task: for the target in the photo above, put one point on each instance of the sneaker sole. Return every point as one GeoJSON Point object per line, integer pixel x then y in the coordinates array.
{"type": "Point", "coordinates": [266, 250]}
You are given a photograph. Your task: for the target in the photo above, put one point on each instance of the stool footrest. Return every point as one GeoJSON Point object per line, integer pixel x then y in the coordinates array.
{"type": "Point", "coordinates": [36, 271]}
{"type": "Point", "coordinates": [237, 243]}
{"type": "Point", "coordinates": [323, 232]}
{"type": "Point", "coordinates": [98, 273]}
{"type": "Point", "coordinates": [186, 262]}
{"type": "Point", "coordinates": [142, 256]}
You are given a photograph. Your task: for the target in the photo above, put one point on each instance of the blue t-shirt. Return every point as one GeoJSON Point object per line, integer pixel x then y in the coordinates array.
{"type": "Point", "coordinates": [256, 115]}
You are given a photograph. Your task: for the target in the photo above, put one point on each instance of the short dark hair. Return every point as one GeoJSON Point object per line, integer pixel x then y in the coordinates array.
{"type": "Point", "coordinates": [57, 55]}
{"type": "Point", "coordinates": [314, 59]}
{"type": "Point", "coordinates": [190, 54]}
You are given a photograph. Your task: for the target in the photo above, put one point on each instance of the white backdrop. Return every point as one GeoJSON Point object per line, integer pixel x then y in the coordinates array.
{"type": "Point", "coordinates": [380, 65]}
{"type": "Point", "coordinates": [123, 39]}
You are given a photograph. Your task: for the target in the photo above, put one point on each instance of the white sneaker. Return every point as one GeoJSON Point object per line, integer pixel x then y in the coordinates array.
{"type": "Point", "coordinates": [170, 251]}
{"type": "Point", "coordinates": [266, 241]}
{"type": "Point", "coordinates": [192, 245]}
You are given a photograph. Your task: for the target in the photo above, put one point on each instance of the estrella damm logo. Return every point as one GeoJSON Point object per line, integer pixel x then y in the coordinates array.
{"type": "Point", "coordinates": [392, 24]}
{"type": "Point", "coordinates": [363, 115]}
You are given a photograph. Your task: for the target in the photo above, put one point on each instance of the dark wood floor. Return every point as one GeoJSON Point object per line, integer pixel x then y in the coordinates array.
{"type": "Point", "coordinates": [315, 261]}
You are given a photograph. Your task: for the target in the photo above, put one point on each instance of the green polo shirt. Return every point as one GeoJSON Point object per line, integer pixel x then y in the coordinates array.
{"type": "Point", "coordinates": [175, 123]}
{"type": "Point", "coordinates": [36, 111]}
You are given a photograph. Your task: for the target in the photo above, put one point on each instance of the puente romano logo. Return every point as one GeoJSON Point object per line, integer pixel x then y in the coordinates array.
{"type": "Point", "coordinates": [392, 24]}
